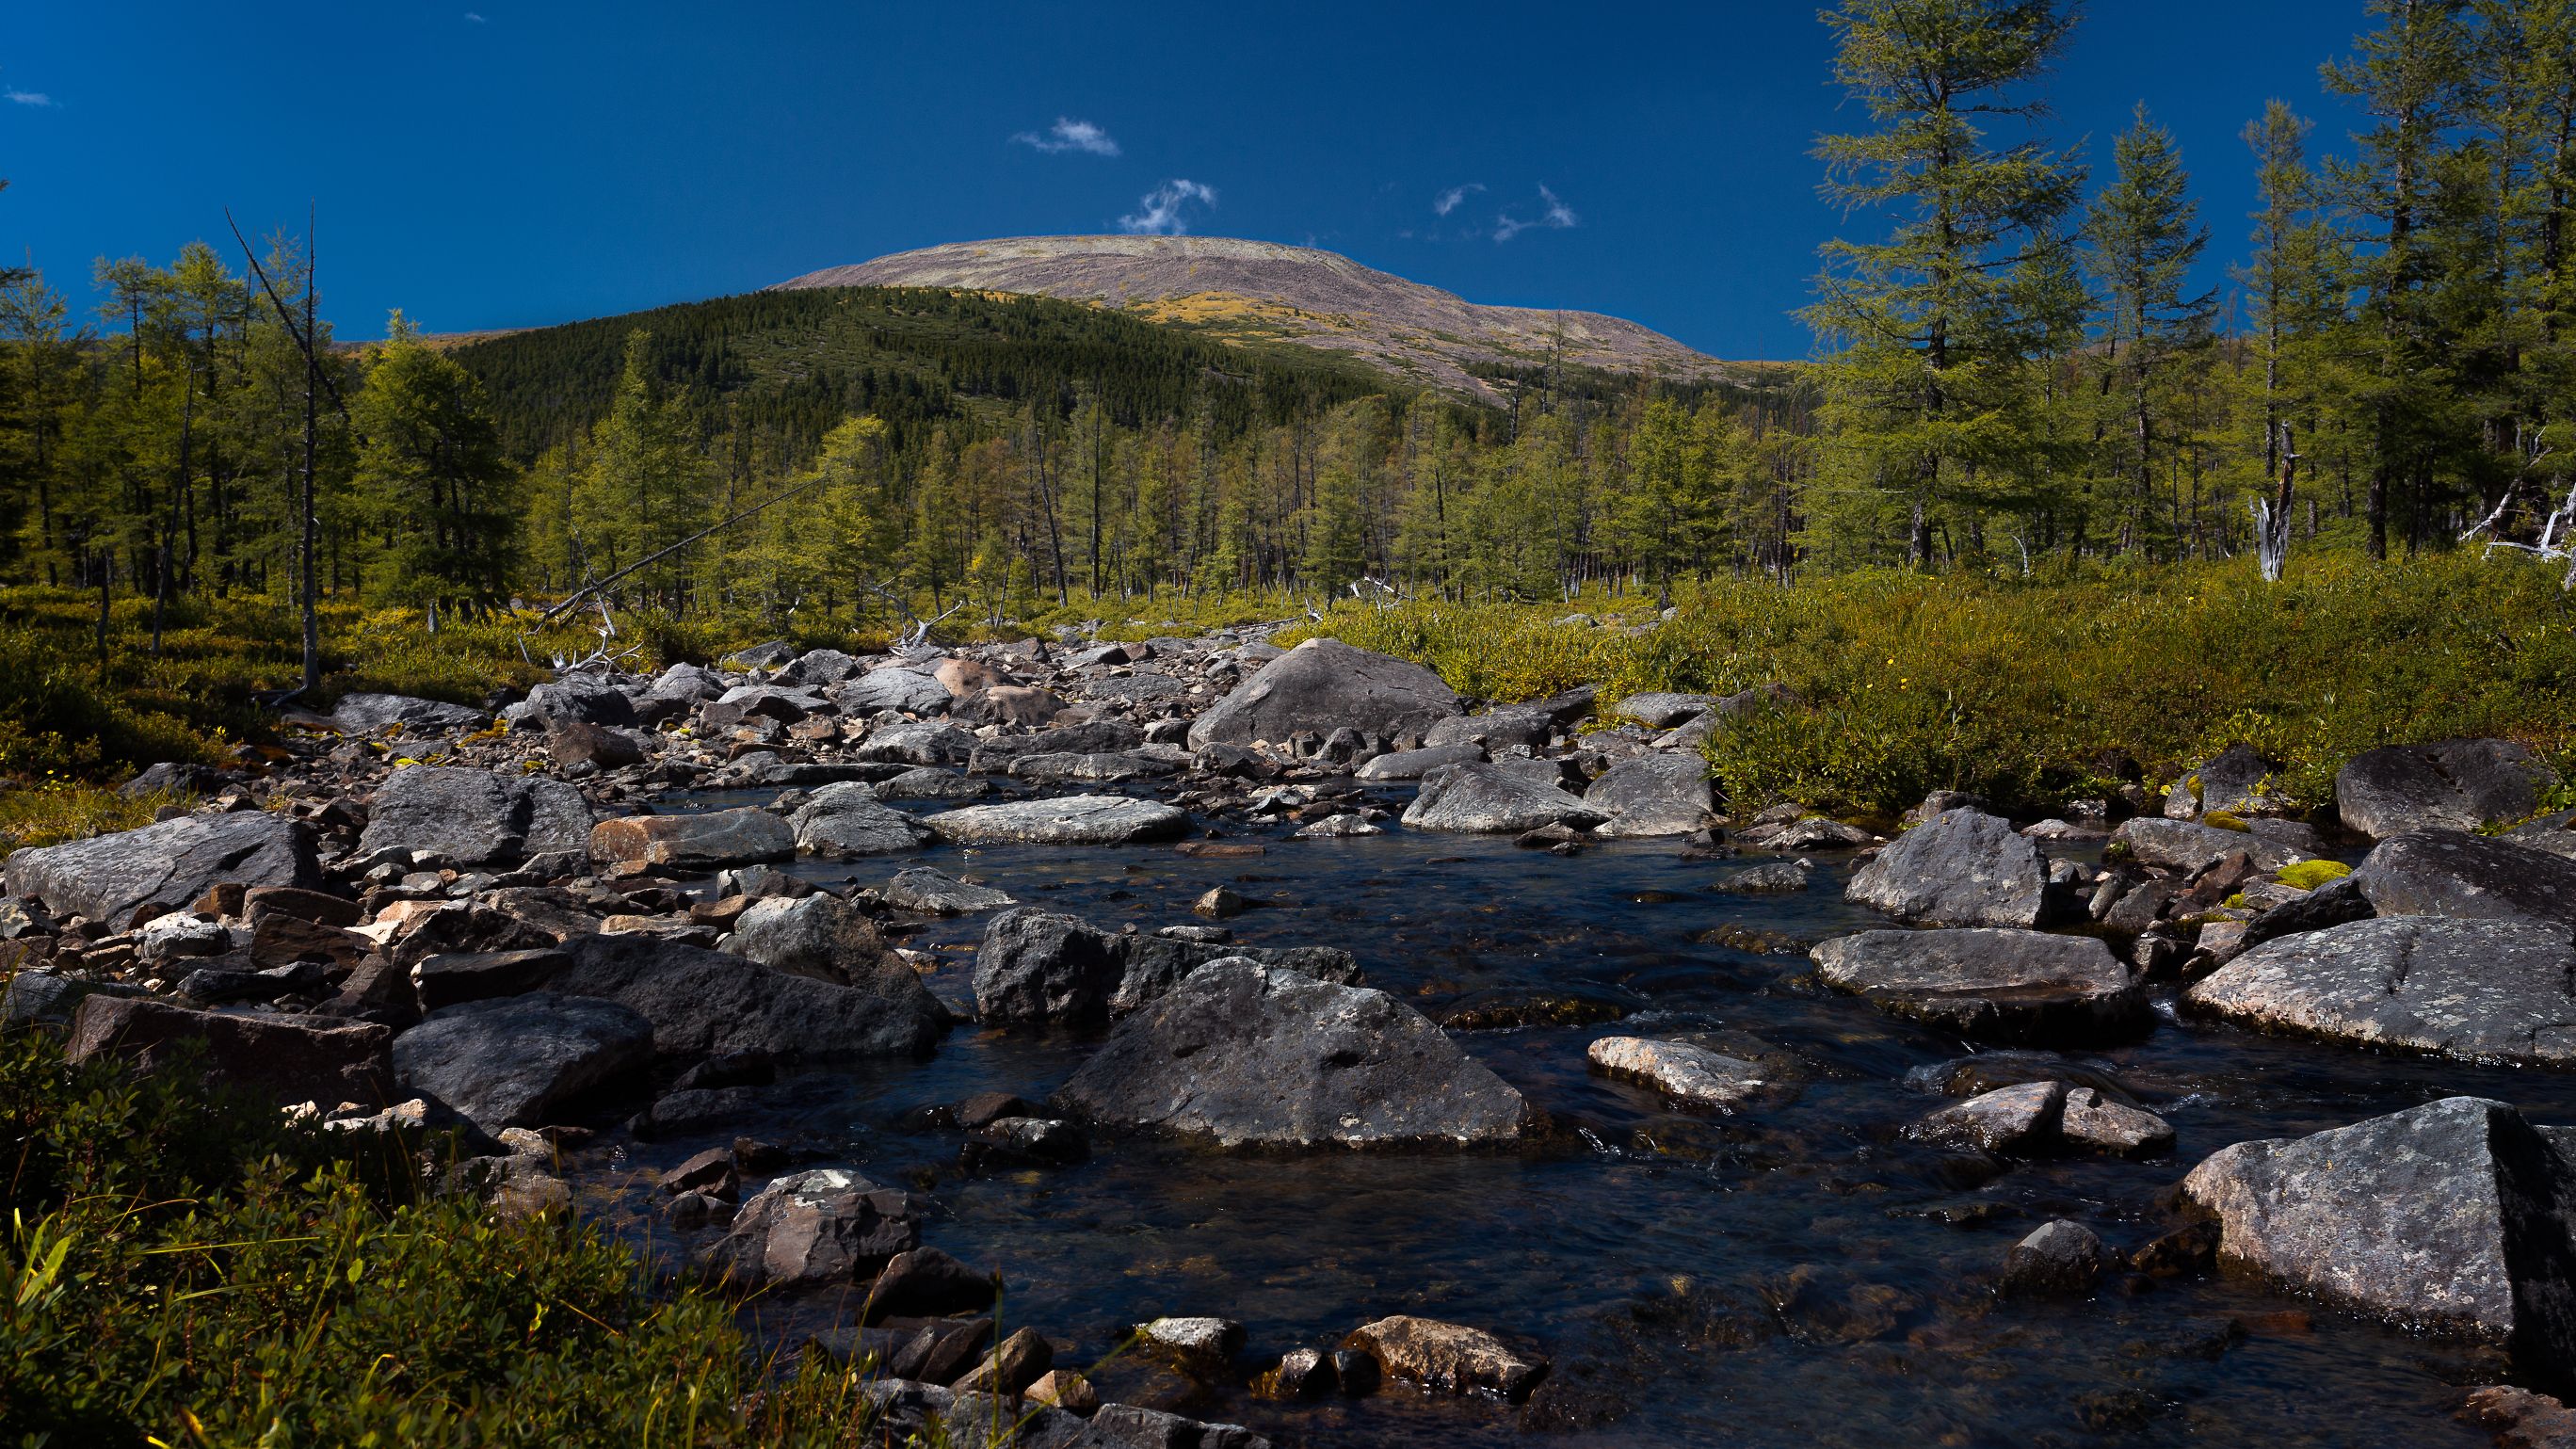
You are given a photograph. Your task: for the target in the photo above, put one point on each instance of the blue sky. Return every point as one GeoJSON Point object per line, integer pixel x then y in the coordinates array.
{"type": "Point", "coordinates": [488, 163]}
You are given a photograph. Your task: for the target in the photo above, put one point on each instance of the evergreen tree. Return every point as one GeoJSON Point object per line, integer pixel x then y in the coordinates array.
{"type": "Point", "coordinates": [435, 484]}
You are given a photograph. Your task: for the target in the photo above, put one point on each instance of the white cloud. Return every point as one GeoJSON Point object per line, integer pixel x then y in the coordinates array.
{"type": "Point", "coordinates": [29, 98]}
{"type": "Point", "coordinates": [1553, 214]}
{"type": "Point", "coordinates": [475, 17]}
{"type": "Point", "coordinates": [1159, 212]}
{"type": "Point", "coordinates": [1068, 134]}
{"type": "Point", "coordinates": [1447, 201]}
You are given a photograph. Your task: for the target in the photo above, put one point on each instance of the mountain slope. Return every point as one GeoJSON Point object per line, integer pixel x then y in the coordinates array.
{"type": "Point", "coordinates": [1249, 291]}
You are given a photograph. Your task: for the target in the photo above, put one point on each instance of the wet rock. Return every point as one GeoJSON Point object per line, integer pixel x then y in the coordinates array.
{"type": "Point", "coordinates": [1064, 1389]}
{"type": "Point", "coordinates": [1660, 794]}
{"type": "Point", "coordinates": [711, 1172]}
{"type": "Point", "coordinates": [284, 1059]}
{"type": "Point", "coordinates": [1680, 1070]}
{"type": "Point", "coordinates": [905, 690]}
{"type": "Point", "coordinates": [1203, 1348]}
{"type": "Point", "coordinates": [2521, 1419]}
{"type": "Point", "coordinates": [2061, 1259]}
{"type": "Point", "coordinates": [2461, 785]}
{"type": "Point", "coordinates": [2484, 990]}
{"type": "Point", "coordinates": [2191, 1248]}
{"type": "Point", "coordinates": [1779, 878]}
{"type": "Point", "coordinates": [367, 713]}
{"type": "Point", "coordinates": [521, 1061]}
{"type": "Point", "coordinates": [931, 893]}
{"type": "Point", "coordinates": [1074, 820]}
{"type": "Point", "coordinates": [1962, 868]}
{"type": "Point", "coordinates": [847, 820]}
{"type": "Point", "coordinates": [1014, 1364]}
{"type": "Point", "coordinates": [2013, 986]}
{"type": "Point", "coordinates": [1301, 1373]}
{"type": "Point", "coordinates": [1036, 966]}
{"type": "Point", "coordinates": [829, 1225]}
{"type": "Point", "coordinates": [693, 842]}
{"type": "Point", "coordinates": [2474, 877]}
{"type": "Point", "coordinates": [1323, 685]}
{"type": "Point", "coordinates": [926, 782]}
{"type": "Point", "coordinates": [2094, 1122]}
{"type": "Point", "coordinates": [2454, 1217]}
{"type": "Point", "coordinates": [1343, 826]}
{"type": "Point", "coordinates": [927, 1282]}
{"type": "Point", "coordinates": [1025, 1141]}
{"type": "Point", "coordinates": [1493, 800]}
{"type": "Point", "coordinates": [2181, 845]}
{"type": "Point", "coordinates": [820, 936]}
{"type": "Point", "coordinates": [1414, 764]}
{"type": "Point", "coordinates": [2008, 1121]}
{"type": "Point", "coordinates": [704, 1003]}
{"type": "Point", "coordinates": [134, 875]}
{"type": "Point", "coordinates": [1447, 1358]}
{"type": "Point", "coordinates": [1242, 1053]}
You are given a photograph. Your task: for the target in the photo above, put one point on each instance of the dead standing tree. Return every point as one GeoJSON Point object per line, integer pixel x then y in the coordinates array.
{"type": "Point", "coordinates": [2272, 514]}
{"type": "Point", "coordinates": [307, 585]}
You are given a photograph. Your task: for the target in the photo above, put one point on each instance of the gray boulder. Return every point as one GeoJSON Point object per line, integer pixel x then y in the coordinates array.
{"type": "Point", "coordinates": [1323, 685]}
{"type": "Point", "coordinates": [917, 742]}
{"type": "Point", "coordinates": [520, 1061]}
{"type": "Point", "coordinates": [821, 936]}
{"type": "Point", "coordinates": [2186, 846]}
{"type": "Point", "coordinates": [705, 1003]}
{"type": "Point", "coordinates": [2476, 877]}
{"type": "Point", "coordinates": [2001, 985]}
{"type": "Point", "coordinates": [1658, 794]}
{"type": "Point", "coordinates": [1961, 868]}
{"type": "Point", "coordinates": [1037, 966]}
{"type": "Point", "coordinates": [469, 817]}
{"type": "Point", "coordinates": [828, 1225]}
{"type": "Point", "coordinates": [1073, 820]}
{"type": "Point", "coordinates": [2455, 1216]}
{"type": "Point", "coordinates": [1504, 729]}
{"type": "Point", "coordinates": [690, 683]}
{"type": "Point", "coordinates": [929, 782]}
{"type": "Point", "coordinates": [1494, 800]}
{"type": "Point", "coordinates": [2485, 990]}
{"type": "Point", "coordinates": [581, 699]}
{"type": "Point", "coordinates": [282, 1059]}
{"type": "Point", "coordinates": [1242, 1053]}
{"type": "Point", "coordinates": [707, 841]}
{"type": "Point", "coordinates": [935, 893]}
{"type": "Point", "coordinates": [847, 819]}
{"type": "Point", "coordinates": [368, 713]}
{"type": "Point", "coordinates": [823, 666]}
{"type": "Point", "coordinates": [2452, 785]}
{"type": "Point", "coordinates": [1414, 764]}
{"type": "Point", "coordinates": [1661, 711]}
{"type": "Point", "coordinates": [1091, 737]}
{"type": "Point", "coordinates": [906, 690]}
{"type": "Point", "coordinates": [131, 876]}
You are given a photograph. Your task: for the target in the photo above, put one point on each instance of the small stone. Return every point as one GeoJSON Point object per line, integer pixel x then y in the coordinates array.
{"type": "Point", "coordinates": [1014, 1364]}
{"type": "Point", "coordinates": [1196, 1346]}
{"type": "Point", "coordinates": [1688, 1073]}
{"type": "Point", "coordinates": [1066, 1390]}
{"type": "Point", "coordinates": [2007, 1120]}
{"type": "Point", "coordinates": [2095, 1122]}
{"type": "Point", "coordinates": [1447, 1357]}
{"type": "Point", "coordinates": [928, 1282]}
{"type": "Point", "coordinates": [1301, 1373]}
{"type": "Point", "coordinates": [2061, 1258]}
{"type": "Point", "coordinates": [1220, 903]}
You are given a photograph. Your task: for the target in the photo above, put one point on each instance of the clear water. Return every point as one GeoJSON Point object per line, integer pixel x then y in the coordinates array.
{"type": "Point", "coordinates": [1788, 1275]}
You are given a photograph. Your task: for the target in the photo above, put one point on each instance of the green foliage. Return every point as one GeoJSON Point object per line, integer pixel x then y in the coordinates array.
{"type": "Point", "coordinates": [2307, 875]}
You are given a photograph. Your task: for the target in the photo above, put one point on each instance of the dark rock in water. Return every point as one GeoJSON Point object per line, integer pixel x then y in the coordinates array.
{"type": "Point", "coordinates": [820, 936]}
{"type": "Point", "coordinates": [2181, 845]}
{"type": "Point", "coordinates": [2521, 1419]}
{"type": "Point", "coordinates": [131, 876]}
{"type": "Point", "coordinates": [1242, 1053]}
{"type": "Point", "coordinates": [1508, 1008]}
{"type": "Point", "coordinates": [931, 893]}
{"type": "Point", "coordinates": [368, 713]}
{"type": "Point", "coordinates": [520, 1061]}
{"type": "Point", "coordinates": [826, 1226]}
{"type": "Point", "coordinates": [1494, 800]}
{"type": "Point", "coordinates": [2453, 785]}
{"type": "Point", "coordinates": [847, 819]}
{"type": "Point", "coordinates": [1013, 1365]}
{"type": "Point", "coordinates": [2475, 877]}
{"type": "Point", "coordinates": [2483, 990]}
{"type": "Point", "coordinates": [2013, 986]}
{"type": "Point", "coordinates": [706, 1002]}
{"type": "Point", "coordinates": [1447, 1358]}
{"type": "Point", "coordinates": [1779, 878]}
{"type": "Point", "coordinates": [2061, 1259]}
{"type": "Point", "coordinates": [1414, 764]}
{"type": "Point", "coordinates": [2191, 1248]}
{"type": "Point", "coordinates": [1301, 1373]}
{"type": "Point", "coordinates": [1202, 1347]}
{"type": "Point", "coordinates": [281, 1058]}
{"type": "Point", "coordinates": [1658, 794]}
{"type": "Point", "coordinates": [1035, 966]}
{"type": "Point", "coordinates": [928, 1282]}
{"type": "Point", "coordinates": [1323, 685]}
{"type": "Point", "coordinates": [1073, 820]}
{"type": "Point", "coordinates": [1683, 1071]}
{"type": "Point", "coordinates": [2333, 904]}
{"type": "Point", "coordinates": [474, 817]}
{"type": "Point", "coordinates": [1025, 1141]}
{"type": "Point", "coordinates": [2095, 1122]}
{"type": "Point", "coordinates": [693, 842]}
{"type": "Point", "coordinates": [1961, 868]}
{"type": "Point", "coordinates": [2016, 1121]}
{"type": "Point", "coordinates": [2455, 1217]}
{"type": "Point", "coordinates": [581, 699]}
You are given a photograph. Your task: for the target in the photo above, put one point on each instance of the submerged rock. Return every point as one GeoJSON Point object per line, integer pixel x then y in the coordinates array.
{"type": "Point", "coordinates": [2484, 990]}
{"type": "Point", "coordinates": [1244, 1053]}
{"type": "Point", "coordinates": [2014, 986]}
{"type": "Point", "coordinates": [2451, 785]}
{"type": "Point", "coordinates": [1961, 868]}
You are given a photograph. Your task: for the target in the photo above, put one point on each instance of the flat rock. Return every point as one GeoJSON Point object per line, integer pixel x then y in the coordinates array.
{"type": "Point", "coordinates": [368, 713]}
{"type": "Point", "coordinates": [924, 742]}
{"type": "Point", "coordinates": [1323, 685]}
{"type": "Point", "coordinates": [133, 875]}
{"type": "Point", "coordinates": [2474, 877]}
{"type": "Point", "coordinates": [706, 1003]}
{"type": "Point", "coordinates": [1960, 868]}
{"type": "Point", "coordinates": [2452, 1217]}
{"type": "Point", "coordinates": [2187, 846]}
{"type": "Point", "coordinates": [1073, 820]}
{"type": "Point", "coordinates": [2500, 991]}
{"type": "Point", "coordinates": [1036, 966]}
{"type": "Point", "coordinates": [469, 817]}
{"type": "Point", "coordinates": [930, 782]}
{"type": "Point", "coordinates": [1680, 1070]}
{"type": "Point", "coordinates": [905, 690]}
{"type": "Point", "coordinates": [705, 841]}
{"type": "Point", "coordinates": [1243, 1053]}
{"type": "Point", "coordinates": [2001, 985]}
{"type": "Point", "coordinates": [1447, 1358]}
{"type": "Point", "coordinates": [282, 1058]}
{"type": "Point", "coordinates": [1657, 794]}
{"type": "Point", "coordinates": [1414, 764]}
{"type": "Point", "coordinates": [847, 820]}
{"type": "Point", "coordinates": [2450, 785]}
{"type": "Point", "coordinates": [520, 1061]}
{"type": "Point", "coordinates": [1491, 799]}
{"type": "Point", "coordinates": [932, 893]}
{"type": "Point", "coordinates": [2016, 1120]}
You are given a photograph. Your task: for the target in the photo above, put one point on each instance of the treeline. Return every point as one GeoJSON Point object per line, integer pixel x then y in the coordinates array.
{"type": "Point", "coordinates": [2016, 370]}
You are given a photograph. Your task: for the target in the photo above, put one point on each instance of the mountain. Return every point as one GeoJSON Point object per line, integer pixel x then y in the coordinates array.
{"type": "Point", "coordinates": [1252, 292]}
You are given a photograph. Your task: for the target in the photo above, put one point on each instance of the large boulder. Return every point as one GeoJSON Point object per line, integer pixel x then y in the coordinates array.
{"type": "Point", "coordinates": [2486, 990]}
{"type": "Point", "coordinates": [2456, 1216]}
{"type": "Point", "coordinates": [828, 1225]}
{"type": "Point", "coordinates": [2452, 785]}
{"type": "Point", "coordinates": [1323, 685]}
{"type": "Point", "coordinates": [847, 819]}
{"type": "Point", "coordinates": [1960, 868]}
{"type": "Point", "coordinates": [1414, 764]}
{"type": "Point", "coordinates": [1036, 966]}
{"type": "Point", "coordinates": [471, 817]}
{"type": "Point", "coordinates": [2000, 985]}
{"type": "Point", "coordinates": [284, 1059]}
{"type": "Point", "coordinates": [1244, 1053]}
{"type": "Point", "coordinates": [2190, 847]}
{"type": "Point", "coordinates": [821, 936]}
{"type": "Point", "coordinates": [1091, 737]}
{"type": "Point", "coordinates": [706, 1003]}
{"type": "Point", "coordinates": [581, 699]}
{"type": "Point", "coordinates": [1488, 799]}
{"type": "Point", "coordinates": [1657, 794]}
{"type": "Point", "coordinates": [1073, 820]}
{"type": "Point", "coordinates": [707, 841]}
{"type": "Point", "coordinates": [130, 877]}
{"type": "Point", "coordinates": [2477, 877]}
{"type": "Point", "coordinates": [917, 742]}
{"type": "Point", "coordinates": [521, 1061]}
{"type": "Point", "coordinates": [363, 714]}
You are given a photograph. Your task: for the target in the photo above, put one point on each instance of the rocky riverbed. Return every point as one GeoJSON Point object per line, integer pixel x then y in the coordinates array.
{"type": "Point", "coordinates": [1193, 1042]}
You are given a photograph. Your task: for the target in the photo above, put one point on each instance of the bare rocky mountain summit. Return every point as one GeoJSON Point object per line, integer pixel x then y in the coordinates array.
{"type": "Point", "coordinates": [1250, 291]}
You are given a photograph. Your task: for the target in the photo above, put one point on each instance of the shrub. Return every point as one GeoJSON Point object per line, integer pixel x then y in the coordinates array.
{"type": "Point", "coordinates": [2307, 875]}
